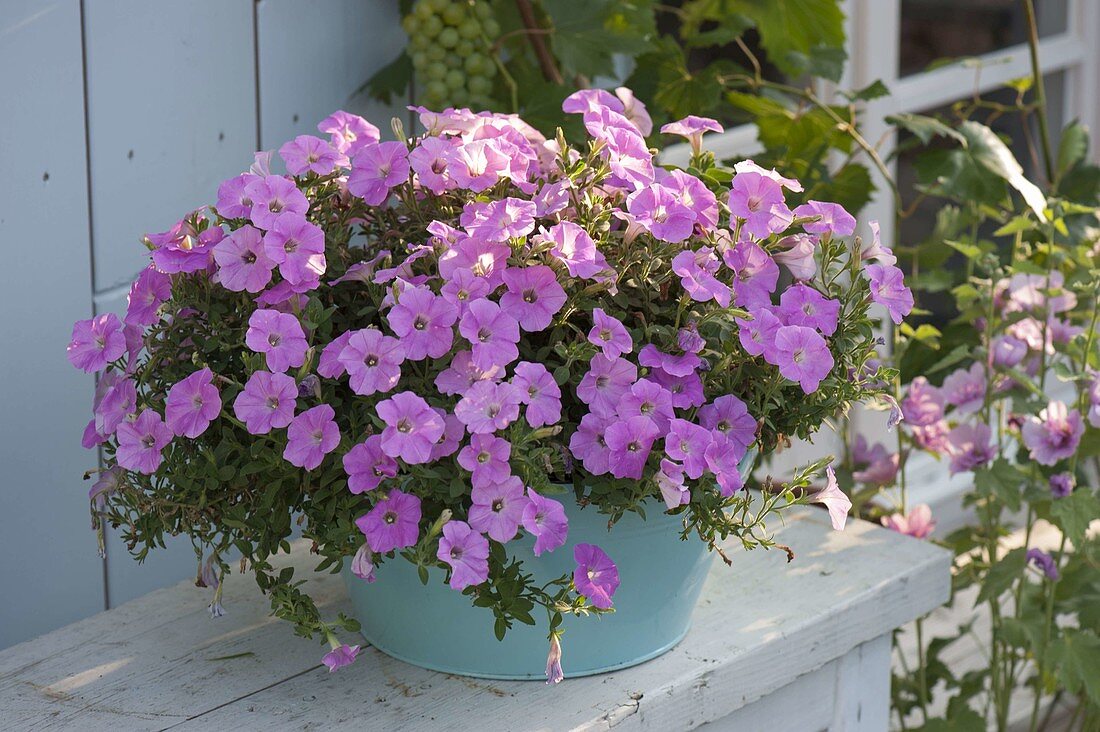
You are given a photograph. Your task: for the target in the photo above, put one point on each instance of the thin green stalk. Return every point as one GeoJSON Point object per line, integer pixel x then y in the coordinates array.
{"type": "Point", "coordinates": [1040, 93]}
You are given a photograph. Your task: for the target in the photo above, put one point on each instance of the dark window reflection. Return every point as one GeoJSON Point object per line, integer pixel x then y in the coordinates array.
{"type": "Point", "coordinates": [940, 30]}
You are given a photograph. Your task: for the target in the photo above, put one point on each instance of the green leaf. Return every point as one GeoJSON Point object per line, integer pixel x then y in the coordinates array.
{"type": "Point", "coordinates": [588, 33]}
{"type": "Point", "coordinates": [1074, 513]}
{"type": "Point", "coordinates": [924, 128]}
{"type": "Point", "coordinates": [874, 90]}
{"type": "Point", "coordinates": [794, 32]}
{"type": "Point", "coordinates": [1002, 575]}
{"type": "Point", "coordinates": [1073, 147]}
{"type": "Point", "coordinates": [1003, 480]}
{"type": "Point", "coordinates": [987, 149]}
{"type": "Point", "coordinates": [962, 720]}
{"type": "Point", "coordinates": [1076, 656]}
{"type": "Point", "coordinates": [392, 80]}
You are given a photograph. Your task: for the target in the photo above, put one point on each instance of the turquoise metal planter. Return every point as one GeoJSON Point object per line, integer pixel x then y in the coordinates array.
{"type": "Point", "coordinates": [436, 627]}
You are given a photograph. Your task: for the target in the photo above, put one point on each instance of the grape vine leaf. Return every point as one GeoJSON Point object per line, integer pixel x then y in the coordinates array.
{"type": "Point", "coordinates": [588, 33]}
{"type": "Point", "coordinates": [799, 35]}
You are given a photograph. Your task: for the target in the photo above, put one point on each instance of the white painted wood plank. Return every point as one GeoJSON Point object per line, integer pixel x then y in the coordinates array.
{"type": "Point", "coordinates": [863, 688]}
{"type": "Point", "coordinates": [171, 113]}
{"type": "Point", "coordinates": [314, 55]}
{"type": "Point", "coordinates": [50, 572]}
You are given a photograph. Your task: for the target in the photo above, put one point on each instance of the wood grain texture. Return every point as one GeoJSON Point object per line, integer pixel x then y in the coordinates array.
{"type": "Point", "coordinates": [159, 662]}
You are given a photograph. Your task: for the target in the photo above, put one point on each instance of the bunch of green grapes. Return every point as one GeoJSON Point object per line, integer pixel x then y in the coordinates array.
{"type": "Point", "coordinates": [450, 44]}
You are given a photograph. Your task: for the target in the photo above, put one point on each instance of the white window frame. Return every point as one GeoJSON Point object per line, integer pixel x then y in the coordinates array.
{"type": "Point", "coordinates": [873, 31]}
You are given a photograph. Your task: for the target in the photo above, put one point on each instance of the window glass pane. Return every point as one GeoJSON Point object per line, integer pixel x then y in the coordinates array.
{"type": "Point", "coordinates": [920, 225]}
{"type": "Point", "coordinates": [937, 30]}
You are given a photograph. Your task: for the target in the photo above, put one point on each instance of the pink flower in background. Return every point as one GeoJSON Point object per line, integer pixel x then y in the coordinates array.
{"type": "Point", "coordinates": [487, 407]}
{"type": "Point", "coordinates": [758, 200]}
{"type": "Point", "coordinates": [340, 656]}
{"type": "Point", "coordinates": [533, 296]}
{"type": "Point", "coordinates": [96, 342]}
{"type": "Point", "coordinates": [279, 336]}
{"type": "Point", "coordinates": [587, 444]}
{"type": "Point", "coordinates": [728, 416]}
{"type": "Point", "coordinates": [1054, 434]}
{"type": "Point", "coordinates": [834, 499]}
{"type": "Point", "coordinates": [423, 320]}
{"type": "Point", "coordinates": [1044, 562]}
{"type": "Point", "coordinates": [233, 199]}
{"type": "Point", "coordinates": [544, 518]}
{"type": "Point", "coordinates": [889, 290]}
{"type": "Point", "coordinates": [243, 264]}
{"type": "Point", "coordinates": [692, 129]}
{"type": "Point", "coordinates": [923, 403]}
{"type": "Point", "coordinates": [596, 576]}
{"type": "Point", "coordinates": [605, 383]}
{"type": "Point", "coordinates": [267, 401]}
{"type": "Point", "coordinates": [309, 154]}
{"type": "Point", "coordinates": [696, 270]}
{"type": "Point", "coordinates": [687, 443]}
{"type": "Point", "coordinates": [630, 441]}
{"type": "Point", "coordinates": [609, 335]}
{"type": "Point", "coordinates": [635, 111]}
{"type": "Point", "coordinates": [1094, 401]}
{"type": "Point", "coordinates": [492, 332]}
{"type": "Point", "coordinates": [757, 336]}
{"type": "Point", "coordinates": [723, 458]}
{"type": "Point", "coordinates": [965, 389]}
{"type": "Point", "coordinates": [834, 219]}
{"type": "Point", "coordinates": [486, 457]}
{"type": "Point", "coordinates": [412, 428]}
{"type": "Point", "coordinates": [310, 436]}
{"type": "Point", "coordinates": [271, 196]}
{"type": "Point", "coordinates": [373, 361]}
{"type": "Point", "coordinates": [297, 246]}
{"type": "Point", "coordinates": [376, 168]}
{"type": "Point", "coordinates": [466, 552]}
{"type": "Point", "coordinates": [1008, 352]}
{"type": "Point", "coordinates": [1061, 484]}
{"type": "Point", "coordinates": [362, 564]}
{"type": "Point", "coordinates": [497, 508]}
{"type": "Point", "coordinates": [878, 466]}
{"type": "Point", "coordinates": [393, 522]}
{"type": "Point", "coordinates": [918, 523]}
{"type": "Point", "coordinates": [805, 306]}
{"type": "Point", "coordinates": [933, 437]}
{"type": "Point", "coordinates": [192, 404]}
{"type": "Point", "coordinates": [149, 290]}
{"type": "Point", "coordinates": [659, 210]}
{"type": "Point", "coordinates": [877, 252]}
{"type": "Point", "coordinates": [329, 364]}
{"type": "Point", "coordinates": [670, 481]}
{"type": "Point", "coordinates": [797, 255]}
{"type": "Point", "coordinates": [140, 442]}
{"type": "Point", "coordinates": [802, 356]}
{"type": "Point", "coordinates": [367, 465]}
{"type": "Point", "coordinates": [537, 389]}
{"type": "Point", "coordinates": [970, 446]}
{"type": "Point", "coordinates": [348, 132]}
{"type": "Point", "coordinates": [757, 274]}
{"type": "Point", "coordinates": [647, 398]}
{"type": "Point", "coordinates": [575, 248]}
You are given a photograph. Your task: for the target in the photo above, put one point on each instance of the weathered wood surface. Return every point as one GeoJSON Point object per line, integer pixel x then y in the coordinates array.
{"type": "Point", "coordinates": [159, 662]}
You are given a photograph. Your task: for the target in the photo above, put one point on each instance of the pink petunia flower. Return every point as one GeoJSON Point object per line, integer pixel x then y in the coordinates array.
{"type": "Point", "coordinates": [466, 552]}
{"type": "Point", "coordinates": [1054, 434]}
{"type": "Point", "coordinates": [554, 673]}
{"type": "Point", "coordinates": [487, 407]}
{"type": "Point", "coordinates": [266, 402]}
{"type": "Point", "coordinates": [310, 436]}
{"type": "Point", "coordinates": [463, 288]}
{"type": "Point", "coordinates": [298, 247]}
{"type": "Point", "coordinates": [670, 481]}
{"type": "Point", "coordinates": [596, 576]}
{"type": "Point", "coordinates": [367, 465]}
{"type": "Point", "coordinates": [888, 289]}
{"type": "Point", "coordinates": [429, 161]}
{"type": "Point", "coordinates": [728, 416]}
{"type": "Point", "coordinates": [412, 427]}
{"type": "Point", "coordinates": [805, 306]}
{"type": "Point", "coordinates": [271, 196]}
{"type": "Point", "coordinates": [117, 403]}
{"type": "Point", "coordinates": [647, 398]}
{"type": "Point", "coordinates": [833, 499]}
{"type": "Point", "coordinates": [696, 270]}
{"type": "Point", "coordinates": [362, 564]}
{"type": "Point", "coordinates": [802, 356]}
{"type": "Point", "coordinates": [192, 404]}
{"type": "Point", "coordinates": [695, 195]}
{"type": "Point", "coordinates": [453, 434]}
{"type": "Point", "coordinates": [233, 199]}
{"type": "Point", "coordinates": [834, 219]}
{"type": "Point", "coordinates": [279, 336]}
{"type": "Point", "coordinates": [687, 443]}
{"type": "Point", "coordinates": [477, 165]}
{"type": "Point", "coordinates": [329, 364]}
{"type": "Point", "coordinates": [497, 508]}
{"type": "Point", "coordinates": [605, 383]}
{"type": "Point", "coordinates": [970, 446]}
{"type": "Point", "coordinates": [918, 523]}
{"type": "Point", "coordinates": [140, 442]}
{"type": "Point", "coordinates": [965, 389]}
{"type": "Point", "coordinates": [876, 465]}
{"type": "Point", "coordinates": [692, 129]}
{"type": "Point", "coordinates": [486, 457]}
{"type": "Point", "coordinates": [376, 168]}
{"type": "Point", "coordinates": [659, 210]}
{"type": "Point", "coordinates": [533, 296]}
{"type": "Point", "coordinates": [758, 201]}
{"type": "Point", "coordinates": [464, 373]}
{"type": "Point", "coordinates": [587, 444]}
{"type": "Point", "coordinates": [96, 342]}
{"type": "Point", "coordinates": [877, 252]}
{"type": "Point", "coordinates": [149, 290]}
{"type": "Point", "coordinates": [575, 248]}
{"type": "Point", "coordinates": [373, 361]}
{"type": "Point", "coordinates": [797, 255]}
{"type": "Point", "coordinates": [243, 264]}
{"type": "Point", "coordinates": [393, 522]}
{"type": "Point", "coordinates": [923, 403]}
{"type": "Point", "coordinates": [630, 441]}
{"type": "Point", "coordinates": [340, 656]}
{"type": "Point", "coordinates": [756, 274]}
{"type": "Point", "coordinates": [309, 154]}
{"type": "Point", "coordinates": [537, 389]}
{"type": "Point", "coordinates": [482, 258]}
{"type": "Point", "coordinates": [544, 518]}
{"type": "Point", "coordinates": [757, 336]}
{"type": "Point", "coordinates": [499, 221]}
{"type": "Point", "coordinates": [492, 332]}
{"type": "Point", "coordinates": [348, 132]}
{"type": "Point", "coordinates": [423, 320]}
{"type": "Point", "coordinates": [723, 457]}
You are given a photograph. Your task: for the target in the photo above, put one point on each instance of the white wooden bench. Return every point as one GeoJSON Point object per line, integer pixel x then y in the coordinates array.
{"type": "Point", "coordinates": [794, 647]}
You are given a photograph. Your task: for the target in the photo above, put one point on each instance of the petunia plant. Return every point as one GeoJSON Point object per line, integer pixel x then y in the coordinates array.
{"type": "Point", "coordinates": [416, 350]}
